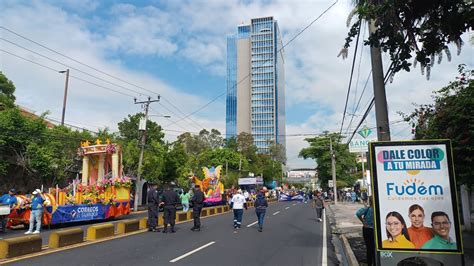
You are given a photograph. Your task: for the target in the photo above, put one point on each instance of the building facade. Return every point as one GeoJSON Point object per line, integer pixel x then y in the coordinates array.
{"type": "Point", "coordinates": [255, 100]}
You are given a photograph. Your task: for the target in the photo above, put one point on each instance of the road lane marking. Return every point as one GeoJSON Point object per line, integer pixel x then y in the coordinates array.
{"type": "Point", "coordinates": [252, 223]}
{"type": "Point", "coordinates": [294, 204]}
{"type": "Point", "coordinates": [325, 251]}
{"type": "Point", "coordinates": [287, 208]}
{"type": "Point", "coordinates": [192, 251]}
{"type": "Point", "coordinates": [275, 213]}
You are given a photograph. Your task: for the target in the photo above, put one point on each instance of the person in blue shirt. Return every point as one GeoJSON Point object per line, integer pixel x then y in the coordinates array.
{"type": "Point", "coordinates": [37, 204]}
{"type": "Point", "coordinates": [7, 199]}
{"type": "Point", "coordinates": [366, 216]}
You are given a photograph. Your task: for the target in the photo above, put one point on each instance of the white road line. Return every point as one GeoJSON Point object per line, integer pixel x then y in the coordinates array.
{"type": "Point", "coordinates": [193, 251]}
{"type": "Point", "coordinates": [324, 261]}
{"type": "Point", "coordinates": [294, 204]}
{"type": "Point", "coordinates": [287, 208]}
{"type": "Point", "coordinates": [252, 223]}
{"type": "Point", "coordinates": [275, 213]}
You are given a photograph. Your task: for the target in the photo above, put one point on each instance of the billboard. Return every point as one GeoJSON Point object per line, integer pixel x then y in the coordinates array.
{"type": "Point", "coordinates": [415, 197]}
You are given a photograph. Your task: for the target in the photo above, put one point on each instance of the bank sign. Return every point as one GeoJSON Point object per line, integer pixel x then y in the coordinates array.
{"type": "Point", "coordinates": [415, 197]}
{"type": "Point", "coordinates": [360, 144]}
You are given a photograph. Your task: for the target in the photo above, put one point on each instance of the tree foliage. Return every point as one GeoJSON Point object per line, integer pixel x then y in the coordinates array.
{"type": "Point", "coordinates": [319, 150]}
{"type": "Point", "coordinates": [451, 117]}
{"type": "Point", "coordinates": [424, 28]}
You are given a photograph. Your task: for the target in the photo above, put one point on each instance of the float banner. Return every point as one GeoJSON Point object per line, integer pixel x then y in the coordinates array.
{"type": "Point", "coordinates": [415, 197]}
{"type": "Point", "coordinates": [290, 197]}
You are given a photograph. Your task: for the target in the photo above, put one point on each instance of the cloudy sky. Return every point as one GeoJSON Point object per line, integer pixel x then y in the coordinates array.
{"type": "Point", "coordinates": [118, 50]}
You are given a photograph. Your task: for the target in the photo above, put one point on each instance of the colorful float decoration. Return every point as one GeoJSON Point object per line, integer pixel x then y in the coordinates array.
{"type": "Point", "coordinates": [101, 193]}
{"type": "Point", "coordinates": [211, 185]}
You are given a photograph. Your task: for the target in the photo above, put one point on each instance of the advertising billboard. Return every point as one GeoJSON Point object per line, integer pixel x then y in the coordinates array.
{"type": "Point", "coordinates": [415, 197]}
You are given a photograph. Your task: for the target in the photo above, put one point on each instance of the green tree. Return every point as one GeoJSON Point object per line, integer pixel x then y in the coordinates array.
{"type": "Point", "coordinates": [451, 117]}
{"type": "Point", "coordinates": [424, 28]}
{"type": "Point", "coordinates": [245, 145]}
{"type": "Point", "coordinates": [319, 151]}
{"type": "Point", "coordinates": [176, 165]}
{"type": "Point", "coordinates": [128, 129]}
{"type": "Point", "coordinates": [7, 90]}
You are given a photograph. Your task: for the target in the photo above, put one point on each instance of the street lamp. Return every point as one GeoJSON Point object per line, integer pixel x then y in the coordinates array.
{"type": "Point", "coordinates": [65, 94]}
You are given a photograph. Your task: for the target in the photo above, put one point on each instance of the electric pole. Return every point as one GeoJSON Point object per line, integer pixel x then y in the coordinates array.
{"type": "Point", "coordinates": [142, 129]}
{"type": "Point", "coordinates": [333, 167]}
{"type": "Point", "coordinates": [381, 111]}
{"type": "Point", "coordinates": [65, 95]}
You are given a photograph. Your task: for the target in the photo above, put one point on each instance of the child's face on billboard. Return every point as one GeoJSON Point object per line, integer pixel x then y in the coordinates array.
{"type": "Point", "coordinates": [394, 226]}
{"type": "Point", "coordinates": [417, 217]}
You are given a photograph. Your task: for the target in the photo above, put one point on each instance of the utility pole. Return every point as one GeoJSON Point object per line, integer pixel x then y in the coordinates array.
{"type": "Point", "coordinates": [65, 95]}
{"type": "Point", "coordinates": [142, 128]}
{"type": "Point", "coordinates": [381, 112]}
{"type": "Point", "coordinates": [333, 166]}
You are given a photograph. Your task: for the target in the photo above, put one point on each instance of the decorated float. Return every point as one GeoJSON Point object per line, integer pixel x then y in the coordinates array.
{"type": "Point", "coordinates": [101, 193]}
{"type": "Point", "coordinates": [211, 185]}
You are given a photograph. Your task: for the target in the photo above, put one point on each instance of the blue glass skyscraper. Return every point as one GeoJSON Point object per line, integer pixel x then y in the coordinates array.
{"type": "Point", "coordinates": [256, 83]}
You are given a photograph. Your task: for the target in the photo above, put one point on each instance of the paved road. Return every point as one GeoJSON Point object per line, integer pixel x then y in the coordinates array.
{"type": "Point", "coordinates": [291, 237]}
{"type": "Point", "coordinates": [45, 232]}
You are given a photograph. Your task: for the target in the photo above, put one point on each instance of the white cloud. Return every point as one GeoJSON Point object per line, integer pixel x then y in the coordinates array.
{"type": "Point", "coordinates": [195, 31]}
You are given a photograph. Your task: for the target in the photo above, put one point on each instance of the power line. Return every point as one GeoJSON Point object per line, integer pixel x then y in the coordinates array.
{"type": "Point", "coordinates": [57, 71]}
{"type": "Point", "coordinates": [70, 58]}
{"type": "Point", "coordinates": [71, 67]}
{"type": "Point", "coordinates": [358, 102]}
{"type": "Point", "coordinates": [350, 79]}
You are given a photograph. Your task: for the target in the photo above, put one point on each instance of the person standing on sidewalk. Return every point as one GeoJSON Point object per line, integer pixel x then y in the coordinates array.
{"type": "Point", "coordinates": [238, 203]}
{"type": "Point", "coordinates": [36, 214]}
{"type": "Point", "coordinates": [169, 200]}
{"type": "Point", "coordinates": [366, 216]}
{"type": "Point", "coordinates": [10, 200]}
{"type": "Point", "coordinates": [318, 203]}
{"type": "Point", "coordinates": [153, 209]}
{"type": "Point", "coordinates": [261, 205]}
{"type": "Point", "coordinates": [198, 202]}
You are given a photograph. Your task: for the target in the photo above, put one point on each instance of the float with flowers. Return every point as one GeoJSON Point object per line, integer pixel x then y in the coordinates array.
{"type": "Point", "coordinates": [101, 193]}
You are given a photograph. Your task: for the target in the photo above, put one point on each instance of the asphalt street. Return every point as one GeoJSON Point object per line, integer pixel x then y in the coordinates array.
{"type": "Point", "coordinates": [45, 232]}
{"type": "Point", "coordinates": [291, 236]}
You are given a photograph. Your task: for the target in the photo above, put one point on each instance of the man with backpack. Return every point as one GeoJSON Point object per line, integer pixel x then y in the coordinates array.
{"type": "Point", "coordinates": [261, 205]}
{"type": "Point", "coordinates": [319, 203]}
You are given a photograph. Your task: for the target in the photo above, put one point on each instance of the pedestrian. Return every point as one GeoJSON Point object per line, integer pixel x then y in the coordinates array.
{"type": "Point", "coordinates": [238, 204]}
{"type": "Point", "coordinates": [37, 203]}
{"type": "Point", "coordinates": [246, 195]}
{"type": "Point", "coordinates": [198, 202]}
{"type": "Point", "coordinates": [366, 216]}
{"type": "Point", "coordinates": [153, 208]}
{"type": "Point", "coordinates": [169, 200]}
{"type": "Point", "coordinates": [318, 203]}
{"type": "Point", "coordinates": [10, 200]}
{"type": "Point", "coordinates": [185, 201]}
{"type": "Point", "coordinates": [261, 205]}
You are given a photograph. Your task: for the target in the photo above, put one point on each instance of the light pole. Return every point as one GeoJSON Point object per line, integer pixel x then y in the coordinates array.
{"type": "Point", "coordinates": [65, 94]}
{"type": "Point", "coordinates": [333, 167]}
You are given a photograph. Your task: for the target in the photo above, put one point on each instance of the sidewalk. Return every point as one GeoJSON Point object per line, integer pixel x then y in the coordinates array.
{"type": "Point", "coordinates": [344, 223]}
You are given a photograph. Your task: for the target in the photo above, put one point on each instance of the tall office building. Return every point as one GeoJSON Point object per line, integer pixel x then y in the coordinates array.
{"type": "Point", "coordinates": [256, 83]}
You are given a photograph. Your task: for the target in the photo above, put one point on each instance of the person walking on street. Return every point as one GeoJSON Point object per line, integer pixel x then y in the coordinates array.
{"type": "Point", "coordinates": [198, 202]}
{"type": "Point", "coordinates": [10, 200]}
{"type": "Point", "coordinates": [238, 204]}
{"type": "Point", "coordinates": [261, 205]}
{"type": "Point", "coordinates": [185, 201]}
{"type": "Point", "coordinates": [366, 216]}
{"type": "Point", "coordinates": [318, 203]}
{"type": "Point", "coordinates": [169, 200]}
{"type": "Point", "coordinates": [153, 208]}
{"type": "Point", "coordinates": [36, 214]}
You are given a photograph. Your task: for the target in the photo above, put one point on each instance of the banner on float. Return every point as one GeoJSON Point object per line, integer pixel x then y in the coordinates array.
{"type": "Point", "coordinates": [415, 197]}
{"type": "Point", "coordinates": [290, 197]}
{"type": "Point", "coordinates": [77, 213]}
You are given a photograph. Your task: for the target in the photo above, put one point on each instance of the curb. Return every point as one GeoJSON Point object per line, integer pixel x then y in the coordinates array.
{"type": "Point", "coordinates": [350, 256]}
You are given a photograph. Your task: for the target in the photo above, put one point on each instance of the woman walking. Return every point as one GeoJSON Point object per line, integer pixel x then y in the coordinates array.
{"type": "Point", "coordinates": [261, 205]}
{"type": "Point", "coordinates": [238, 203]}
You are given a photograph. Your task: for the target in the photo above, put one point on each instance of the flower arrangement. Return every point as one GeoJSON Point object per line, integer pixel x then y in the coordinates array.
{"type": "Point", "coordinates": [124, 181]}
{"type": "Point", "coordinates": [111, 148]}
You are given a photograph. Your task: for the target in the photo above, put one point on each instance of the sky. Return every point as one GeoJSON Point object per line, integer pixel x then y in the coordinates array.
{"type": "Point", "coordinates": [120, 50]}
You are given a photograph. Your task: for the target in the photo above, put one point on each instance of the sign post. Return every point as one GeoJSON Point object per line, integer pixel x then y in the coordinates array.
{"type": "Point", "coordinates": [416, 210]}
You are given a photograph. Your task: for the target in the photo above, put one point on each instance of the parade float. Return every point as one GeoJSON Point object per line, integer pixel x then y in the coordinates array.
{"type": "Point", "coordinates": [211, 185]}
{"type": "Point", "coordinates": [101, 193]}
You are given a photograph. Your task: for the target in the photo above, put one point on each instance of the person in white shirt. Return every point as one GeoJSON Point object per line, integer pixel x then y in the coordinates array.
{"type": "Point", "coordinates": [246, 195]}
{"type": "Point", "coordinates": [238, 204]}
